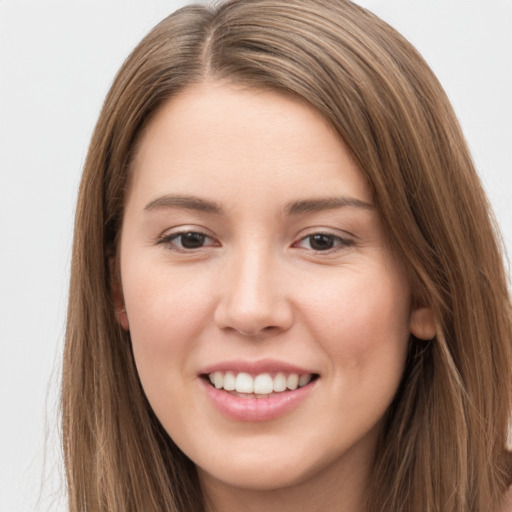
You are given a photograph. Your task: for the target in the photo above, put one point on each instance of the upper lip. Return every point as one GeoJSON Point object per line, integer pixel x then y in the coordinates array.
{"type": "Point", "coordinates": [255, 367]}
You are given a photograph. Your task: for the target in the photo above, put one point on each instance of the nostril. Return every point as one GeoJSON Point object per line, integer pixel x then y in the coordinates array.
{"type": "Point", "coordinates": [255, 332]}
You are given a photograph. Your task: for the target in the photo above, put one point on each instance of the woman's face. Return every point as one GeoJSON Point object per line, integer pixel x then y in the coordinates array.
{"type": "Point", "coordinates": [252, 256]}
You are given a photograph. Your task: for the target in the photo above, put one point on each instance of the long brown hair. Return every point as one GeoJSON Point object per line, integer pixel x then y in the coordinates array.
{"type": "Point", "coordinates": [444, 444]}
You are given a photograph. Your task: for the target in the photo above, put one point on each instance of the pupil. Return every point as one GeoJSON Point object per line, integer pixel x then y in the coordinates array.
{"type": "Point", "coordinates": [321, 242]}
{"type": "Point", "coordinates": [192, 240]}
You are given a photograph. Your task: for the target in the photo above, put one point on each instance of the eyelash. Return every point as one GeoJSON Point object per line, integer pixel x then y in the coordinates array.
{"type": "Point", "coordinates": [170, 240]}
{"type": "Point", "coordinates": [337, 242]}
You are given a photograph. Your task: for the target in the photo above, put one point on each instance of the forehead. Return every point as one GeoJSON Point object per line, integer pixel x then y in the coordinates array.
{"type": "Point", "coordinates": [226, 139]}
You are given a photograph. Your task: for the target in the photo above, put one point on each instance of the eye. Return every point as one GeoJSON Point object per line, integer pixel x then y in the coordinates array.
{"type": "Point", "coordinates": [187, 241]}
{"type": "Point", "coordinates": [322, 242]}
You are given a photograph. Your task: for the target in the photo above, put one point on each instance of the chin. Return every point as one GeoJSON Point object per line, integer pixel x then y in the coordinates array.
{"type": "Point", "coordinates": [277, 464]}
{"type": "Point", "coordinates": [256, 477]}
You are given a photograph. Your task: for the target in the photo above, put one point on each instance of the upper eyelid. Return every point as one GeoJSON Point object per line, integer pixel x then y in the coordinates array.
{"type": "Point", "coordinates": [336, 232]}
{"type": "Point", "coordinates": [168, 237]}
{"type": "Point", "coordinates": [326, 233]}
{"type": "Point", "coordinates": [346, 240]}
{"type": "Point", "coordinates": [343, 241]}
{"type": "Point", "coordinates": [169, 242]}
{"type": "Point", "coordinates": [171, 236]}
{"type": "Point", "coordinates": [178, 230]}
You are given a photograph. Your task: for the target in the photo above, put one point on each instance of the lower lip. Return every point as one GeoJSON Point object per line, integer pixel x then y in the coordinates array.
{"type": "Point", "coordinates": [256, 409]}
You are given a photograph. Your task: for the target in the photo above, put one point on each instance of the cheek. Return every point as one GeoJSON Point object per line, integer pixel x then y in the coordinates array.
{"type": "Point", "coordinates": [363, 322]}
{"type": "Point", "coordinates": [167, 311]}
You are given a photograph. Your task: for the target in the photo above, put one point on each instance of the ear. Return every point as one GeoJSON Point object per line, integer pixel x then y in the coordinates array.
{"type": "Point", "coordinates": [422, 323]}
{"type": "Point", "coordinates": [117, 297]}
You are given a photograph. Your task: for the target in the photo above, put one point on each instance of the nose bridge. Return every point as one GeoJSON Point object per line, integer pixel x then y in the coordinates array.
{"type": "Point", "coordinates": [253, 298]}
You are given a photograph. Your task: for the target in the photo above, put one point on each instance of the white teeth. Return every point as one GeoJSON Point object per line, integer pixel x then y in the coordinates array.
{"type": "Point", "coordinates": [218, 380]}
{"type": "Point", "coordinates": [304, 379]}
{"type": "Point", "coordinates": [279, 382]}
{"type": "Point", "coordinates": [244, 383]}
{"type": "Point", "coordinates": [229, 381]}
{"type": "Point", "coordinates": [292, 382]}
{"type": "Point", "coordinates": [262, 385]}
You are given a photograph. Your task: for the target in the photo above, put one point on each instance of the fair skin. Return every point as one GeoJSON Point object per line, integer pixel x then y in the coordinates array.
{"type": "Point", "coordinates": [250, 245]}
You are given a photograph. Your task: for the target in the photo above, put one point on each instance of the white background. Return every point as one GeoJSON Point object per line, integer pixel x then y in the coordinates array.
{"type": "Point", "coordinates": [57, 60]}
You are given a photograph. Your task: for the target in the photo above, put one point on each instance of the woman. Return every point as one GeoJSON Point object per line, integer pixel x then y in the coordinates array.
{"type": "Point", "coordinates": [287, 291]}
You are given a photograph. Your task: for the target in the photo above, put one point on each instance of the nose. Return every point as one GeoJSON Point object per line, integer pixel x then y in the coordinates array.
{"type": "Point", "coordinates": [253, 297]}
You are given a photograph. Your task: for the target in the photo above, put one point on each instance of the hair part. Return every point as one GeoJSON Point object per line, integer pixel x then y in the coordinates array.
{"type": "Point", "coordinates": [444, 444]}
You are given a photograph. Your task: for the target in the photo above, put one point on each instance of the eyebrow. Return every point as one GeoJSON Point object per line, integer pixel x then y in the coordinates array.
{"type": "Point", "coordinates": [328, 203]}
{"type": "Point", "coordinates": [185, 202]}
{"type": "Point", "coordinates": [298, 207]}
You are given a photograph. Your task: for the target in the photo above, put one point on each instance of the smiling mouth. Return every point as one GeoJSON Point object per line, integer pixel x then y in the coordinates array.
{"type": "Point", "coordinates": [263, 385]}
